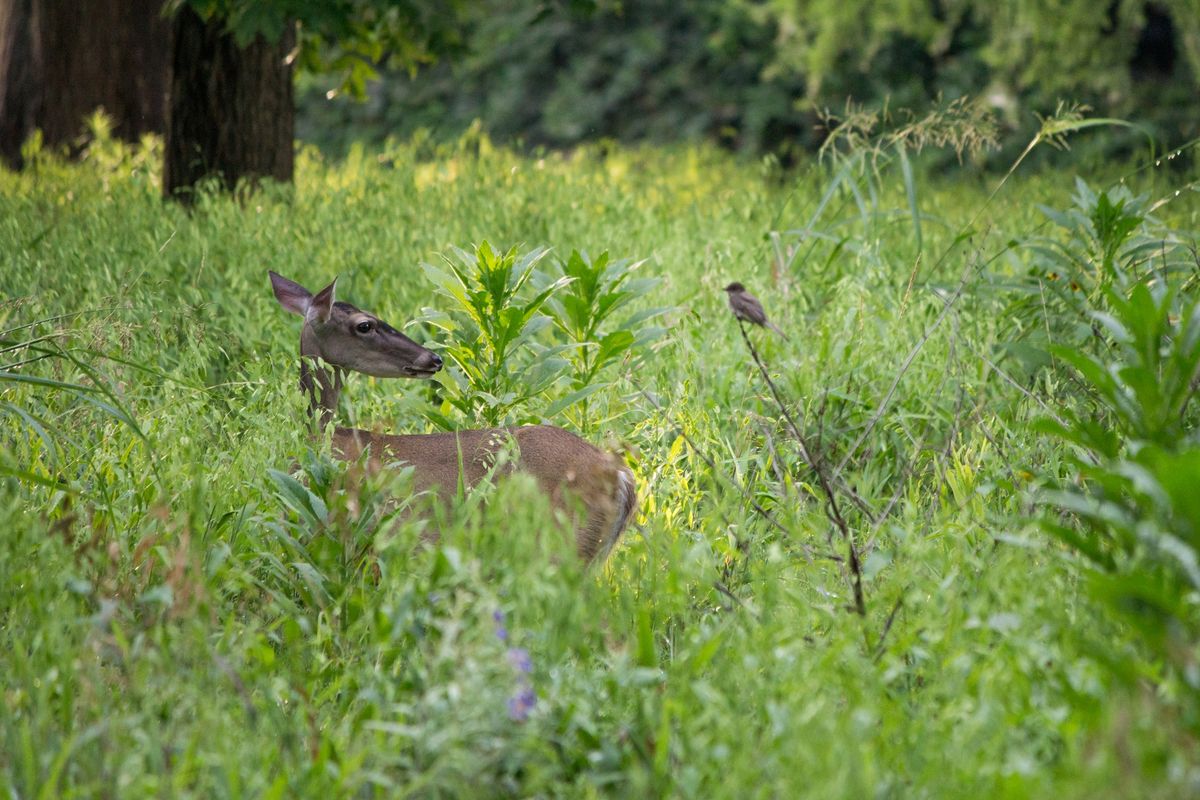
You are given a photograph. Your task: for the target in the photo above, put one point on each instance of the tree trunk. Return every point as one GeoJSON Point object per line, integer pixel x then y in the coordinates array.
{"type": "Point", "coordinates": [231, 113]}
{"type": "Point", "coordinates": [57, 66]}
{"type": "Point", "coordinates": [20, 59]}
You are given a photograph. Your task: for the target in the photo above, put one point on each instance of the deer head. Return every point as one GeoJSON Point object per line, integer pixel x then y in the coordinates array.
{"type": "Point", "coordinates": [348, 338]}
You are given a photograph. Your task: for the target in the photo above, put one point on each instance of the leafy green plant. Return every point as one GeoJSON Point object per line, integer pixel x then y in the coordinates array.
{"type": "Point", "coordinates": [1105, 240]}
{"type": "Point", "coordinates": [1136, 462]}
{"type": "Point", "coordinates": [489, 335]}
{"type": "Point", "coordinates": [515, 333]}
{"type": "Point", "coordinates": [313, 557]}
{"type": "Point", "coordinates": [584, 309]}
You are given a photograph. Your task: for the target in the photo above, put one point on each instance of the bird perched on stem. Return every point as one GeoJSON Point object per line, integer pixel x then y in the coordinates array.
{"type": "Point", "coordinates": [746, 307]}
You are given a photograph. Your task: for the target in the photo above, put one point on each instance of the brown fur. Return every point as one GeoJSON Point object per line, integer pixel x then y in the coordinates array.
{"type": "Point", "coordinates": [574, 474]}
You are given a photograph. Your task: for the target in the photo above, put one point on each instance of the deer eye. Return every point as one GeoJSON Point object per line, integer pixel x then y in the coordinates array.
{"type": "Point", "coordinates": [364, 327]}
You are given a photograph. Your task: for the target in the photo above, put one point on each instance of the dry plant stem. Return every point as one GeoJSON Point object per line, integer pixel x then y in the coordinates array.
{"type": "Point", "coordinates": [887, 627]}
{"type": "Point", "coordinates": [1001, 449]}
{"type": "Point", "coordinates": [725, 590]}
{"type": "Point", "coordinates": [50, 337]}
{"type": "Point", "coordinates": [1033, 143]}
{"type": "Point", "coordinates": [832, 509]}
{"type": "Point", "coordinates": [974, 418]}
{"type": "Point", "coordinates": [918, 446]}
{"type": "Point", "coordinates": [778, 262]}
{"type": "Point", "coordinates": [842, 487]}
{"type": "Point", "coordinates": [27, 361]}
{"type": "Point", "coordinates": [1016, 385]}
{"type": "Point", "coordinates": [955, 432]}
{"type": "Point", "coordinates": [47, 320]}
{"type": "Point", "coordinates": [1013, 383]}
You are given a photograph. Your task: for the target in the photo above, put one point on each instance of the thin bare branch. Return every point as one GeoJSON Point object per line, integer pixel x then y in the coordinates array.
{"type": "Point", "coordinates": [832, 509]}
{"type": "Point", "coordinates": [887, 627]}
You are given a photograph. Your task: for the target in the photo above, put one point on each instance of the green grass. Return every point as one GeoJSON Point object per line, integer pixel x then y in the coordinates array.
{"type": "Point", "coordinates": [175, 621]}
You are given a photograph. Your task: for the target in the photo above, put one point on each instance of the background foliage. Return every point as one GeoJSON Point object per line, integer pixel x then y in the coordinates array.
{"type": "Point", "coordinates": [756, 76]}
{"type": "Point", "coordinates": [350, 39]}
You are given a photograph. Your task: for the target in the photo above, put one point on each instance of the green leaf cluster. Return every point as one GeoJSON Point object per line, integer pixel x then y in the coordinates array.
{"type": "Point", "coordinates": [497, 363]}
{"type": "Point", "coordinates": [1136, 460]}
{"type": "Point", "coordinates": [351, 39]}
{"type": "Point", "coordinates": [594, 290]}
{"type": "Point", "coordinates": [516, 335]}
{"type": "Point", "coordinates": [1100, 247]}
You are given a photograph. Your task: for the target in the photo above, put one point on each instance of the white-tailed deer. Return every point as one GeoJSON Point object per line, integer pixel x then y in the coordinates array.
{"type": "Point", "coordinates": [337, 337]}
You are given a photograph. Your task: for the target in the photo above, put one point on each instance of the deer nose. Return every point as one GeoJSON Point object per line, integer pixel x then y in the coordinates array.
{"type": "Point", "coordinates": [430, 360]}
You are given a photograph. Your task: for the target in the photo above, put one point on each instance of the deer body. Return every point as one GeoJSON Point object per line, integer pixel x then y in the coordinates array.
{"type": "Point", "coordinates": [566, 468]}
{"type": "Point", "coordinates": [592, 487]}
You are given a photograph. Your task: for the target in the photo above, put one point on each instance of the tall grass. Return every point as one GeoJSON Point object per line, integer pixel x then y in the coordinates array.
{"type": "Point", "coordinates": [194, 602]}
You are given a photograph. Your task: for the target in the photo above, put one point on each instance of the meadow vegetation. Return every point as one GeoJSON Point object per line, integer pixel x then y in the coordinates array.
{"type": "Point", "coordinates": [991, 381]}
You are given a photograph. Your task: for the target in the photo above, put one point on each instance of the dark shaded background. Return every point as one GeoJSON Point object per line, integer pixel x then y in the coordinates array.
{"type": "Point", "coordinates": [756, 76]}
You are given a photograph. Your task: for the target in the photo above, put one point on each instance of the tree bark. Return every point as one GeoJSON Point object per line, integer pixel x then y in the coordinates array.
{"type": "Point", "coordinates": [231, 113]}
{"type": "Point", "coordinates": [20, 58]}
{"type": "Point", "coordinates": [57, 66]}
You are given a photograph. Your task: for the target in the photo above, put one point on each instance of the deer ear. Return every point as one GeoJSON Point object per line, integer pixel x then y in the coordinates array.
{"type": "Point", "coordinates": [291, 295]}
{"type": "Point", "coordinates": [322, 304]}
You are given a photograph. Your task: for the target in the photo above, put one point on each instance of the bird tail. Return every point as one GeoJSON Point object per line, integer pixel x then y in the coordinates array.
{"type": "Point", "coordinates": [775, 328]}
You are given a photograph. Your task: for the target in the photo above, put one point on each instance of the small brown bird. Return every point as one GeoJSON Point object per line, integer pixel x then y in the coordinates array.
{"type": "Point", "coordinates": [746, 307]}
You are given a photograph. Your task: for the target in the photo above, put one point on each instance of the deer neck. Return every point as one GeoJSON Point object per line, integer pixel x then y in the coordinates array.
{"type": "Point", "coordinates": [321, 383]}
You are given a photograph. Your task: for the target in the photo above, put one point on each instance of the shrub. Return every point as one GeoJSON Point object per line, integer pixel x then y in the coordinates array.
{"type": "Point", "coordinates": [1136, 464]}
{"type": "Point", "coordinates": [506, 351]}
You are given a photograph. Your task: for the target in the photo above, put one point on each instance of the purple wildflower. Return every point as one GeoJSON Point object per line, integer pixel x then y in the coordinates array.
{"type": "Point", "coordinates": [501, 631]}
{"type": "Point", "coordinates": [521, 703]}
{"type": "Point", "coordinates": [518, 659]}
